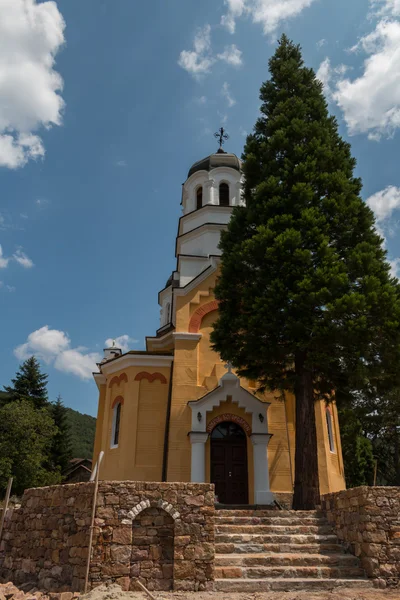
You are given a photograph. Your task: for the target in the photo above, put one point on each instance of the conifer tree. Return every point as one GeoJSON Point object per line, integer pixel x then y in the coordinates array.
{"type": "Point", "coordinates": [61, 452]}
{"type": "Point", "coordinates": [29, 384]}
{"type": "Point", "coordinates": [306, 301]}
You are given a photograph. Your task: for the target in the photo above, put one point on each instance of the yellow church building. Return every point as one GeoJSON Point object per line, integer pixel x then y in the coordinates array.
{"type": "Point", "coordinates": [175, 412]}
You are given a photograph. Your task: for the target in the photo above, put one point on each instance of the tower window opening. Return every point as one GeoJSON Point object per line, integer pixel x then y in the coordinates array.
{"type": "Point", "coordinates": [168, 313]}
{"type": "Point", "coordinates": [329, 425]}
{"type": "Point", "coordinates": [199, 197]}
{"type": "Point", "coordinates": [116, 425]}
{"type": "Point", "coordinates": [224, 194]}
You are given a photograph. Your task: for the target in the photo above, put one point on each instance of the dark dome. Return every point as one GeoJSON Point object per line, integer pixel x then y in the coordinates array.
{"type": "Point", "coordinates": [219, 159]}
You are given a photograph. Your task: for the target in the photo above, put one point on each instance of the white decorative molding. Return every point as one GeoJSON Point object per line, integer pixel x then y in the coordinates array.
{"type": "Point", "coordinates": [100, 379]}
{"type": "Point", "coordinates": [229, 385]}
{"type": "Point", "coordinates": [198, 459]}
{"type": "Point", "coordinates": [161, 342]}
{"type": "Point", "coordinates": [214, 262]}
{"type": "Point", "coordinates": [181, 335]}
{"type": "Point", "coordinates": [136, 360]}
{"type": "Point", "coordinates": [144, 504]}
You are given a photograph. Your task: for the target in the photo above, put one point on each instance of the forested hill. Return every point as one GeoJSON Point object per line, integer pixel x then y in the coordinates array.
{"type": "Point", "coordinates": [82, 428]}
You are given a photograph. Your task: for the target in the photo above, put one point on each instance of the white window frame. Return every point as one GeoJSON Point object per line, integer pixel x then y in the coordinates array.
{"type": "Point", "coordinates": [114, 425]}
{"type": "Point", "coordinates": [330, 428]}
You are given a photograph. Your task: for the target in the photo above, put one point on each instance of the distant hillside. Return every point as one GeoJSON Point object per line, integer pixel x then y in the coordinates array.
{"type": "Point", "coordinates": [82, 433]}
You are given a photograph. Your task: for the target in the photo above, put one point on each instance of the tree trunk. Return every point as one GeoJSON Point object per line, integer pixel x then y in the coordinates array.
{"type": "Point", "coordinates": [306, 485]}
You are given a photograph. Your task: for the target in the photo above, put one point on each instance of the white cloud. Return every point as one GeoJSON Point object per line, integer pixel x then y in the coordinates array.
{"type": "Point", "coordinates": [121, 163]}
{"type": "Point", "coordinates": [386, 7]}
{"type": "Point", "coordinates": [199, 61]}
{"type": "Point", "coordinates": [231, 55]}
{"type": "Point", "coordinates": [384, 203]}
{"type": "Point", "coordinates": [371, 102]}
{"type": "Point", "coordinates": [321, 43]}
{"type": "Point", "coordinates": [9, 288]}
{"type": "Point", "coordinates": [269, 13]}
{"type": "Point", "coordinates": [22, 259]}
{"type": "Point", "coordinates": [30, 36]}
{"type": "Point", "coordinates": [123, 341]}
{"type": "Point", "coordinates": [54, 347]}
{"type": "Point", "coordinates": [77, 363]}
{"type": "Point", "coordinates": [395, 267]}
{"type": "Point", "coordinates": [3, 260]}
{"type": "Point", "coordinates": [226, 93]}
{"type": "Point", "coordinates": [41, 202]}
{"type": "Point", "coordinates": [324, 74]}
{"type": "Point", "coordinates": [44, 343]}
{"type": "Point", "coordinates": [243, 131]}
{"type": "Point", "coordinates": [201, 100]}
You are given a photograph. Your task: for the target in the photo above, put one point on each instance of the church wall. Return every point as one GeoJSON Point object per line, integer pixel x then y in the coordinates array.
{"type": "Point", "coordinates": [139, 453]}
{"type": "Point", "coordinates": [99, 423]}
{"type": "Point", "coordinates": [184, 388]}
{"type": "Point", "coordinates": [278, 448]}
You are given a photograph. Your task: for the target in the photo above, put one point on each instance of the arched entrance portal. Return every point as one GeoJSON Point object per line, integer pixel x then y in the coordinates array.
{"type": "Point", "coordinates": [229, 463]}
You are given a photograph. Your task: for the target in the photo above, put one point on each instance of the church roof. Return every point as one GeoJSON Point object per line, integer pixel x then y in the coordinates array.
{"type": "Point", "coordinates": [219, 159]}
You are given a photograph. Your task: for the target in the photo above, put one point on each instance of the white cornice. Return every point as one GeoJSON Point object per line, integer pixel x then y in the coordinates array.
{"type": "Point", "coordinates": [100, 379]}
{"type": "Point", "coordinates": [136, 360]}
{"type": "Point", "coordinates": [182, 335]}
{"type": "Point", "coordinates": [215, 260]}
{"type": "Point", "coordinates": [162, 341]}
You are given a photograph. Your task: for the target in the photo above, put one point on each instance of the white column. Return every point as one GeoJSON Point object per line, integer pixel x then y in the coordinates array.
{"type": "Point", "coordinates": [198, 471]}
{"type": "Point", "coordinates": [262, 493]}
{"type": "Point", "coordinates": [208, 196]}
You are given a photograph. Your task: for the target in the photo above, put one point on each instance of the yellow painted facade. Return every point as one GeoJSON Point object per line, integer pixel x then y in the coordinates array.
{"type": "Point", "coordinates": [196, 371]}
{"type": "Point", "coordinates": [157, 407]}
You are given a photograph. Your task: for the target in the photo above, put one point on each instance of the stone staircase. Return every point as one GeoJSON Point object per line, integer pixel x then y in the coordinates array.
{"type": "Point", "coordinates": [260, 550]}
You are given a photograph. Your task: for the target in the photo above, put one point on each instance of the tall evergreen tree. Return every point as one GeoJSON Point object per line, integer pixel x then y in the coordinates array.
{"type": "Point", "coordinates": [61, 452]}
{"type": "Point", "coordinates": [29, 384]}
{"type": "Point", "coordinates": [307, 303]}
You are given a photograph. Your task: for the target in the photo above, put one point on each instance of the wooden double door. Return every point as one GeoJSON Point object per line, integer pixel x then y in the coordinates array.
{"type": "Point", "coordinates": [229, 463]}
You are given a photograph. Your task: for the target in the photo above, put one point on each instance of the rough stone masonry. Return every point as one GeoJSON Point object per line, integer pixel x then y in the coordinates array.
{"type": "Point", "coordinates": [367, 521]}
{"type": "Point", "coordinates": [161, 533]}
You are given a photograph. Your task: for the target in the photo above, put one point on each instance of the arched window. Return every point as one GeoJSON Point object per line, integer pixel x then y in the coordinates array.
{"type": "Point", "coordinates": [224, 194]}
{"type": "Point", "coordinates": [116, 424]}
{"type": "Point", "coordinates": [329, 425]}
{"type": "Point", "coordinates": [199, 197]}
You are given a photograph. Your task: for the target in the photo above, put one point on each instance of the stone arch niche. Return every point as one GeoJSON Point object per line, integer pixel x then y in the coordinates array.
{"type": "Point", "coordinates": [152, 557]}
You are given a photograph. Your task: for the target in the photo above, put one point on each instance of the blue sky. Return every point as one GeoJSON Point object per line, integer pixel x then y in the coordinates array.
{"type": "Point", "coordinates": [104, 106]}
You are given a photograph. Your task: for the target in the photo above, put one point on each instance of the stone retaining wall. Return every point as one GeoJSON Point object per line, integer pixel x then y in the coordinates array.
{"type": "Point", "coordinates": [367, 520]}
{"type": "Point", "coordinates": [161, 533]}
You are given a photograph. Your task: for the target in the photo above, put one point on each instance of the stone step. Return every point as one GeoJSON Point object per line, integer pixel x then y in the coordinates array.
{"type": "Point", "coordinates": [251, 548]}
{"type": "Point", "coordinates": [274, 538]}
{"type": "Point", "coordinates": [320, 572]}
{"type": "Point", "coordinates": [285, 559]}
{"type": "Point", "coordinates": [289, 584]}
{"type": "Point", "coordinates": [274, 529]}
{"type": "Point", "coordinates": [270, 513]}
{"type": "Point", "coordinates": [240, 520]}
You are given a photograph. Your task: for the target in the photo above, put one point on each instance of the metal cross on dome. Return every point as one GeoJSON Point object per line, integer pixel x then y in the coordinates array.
{"type": "Point", "coordinates": [229, 367]}
{"type": "Point", "coordinates": [222, 136]}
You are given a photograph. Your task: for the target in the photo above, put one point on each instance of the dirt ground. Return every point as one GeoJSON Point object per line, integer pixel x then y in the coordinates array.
{"type": "Point", "coordinates": [114, 592]}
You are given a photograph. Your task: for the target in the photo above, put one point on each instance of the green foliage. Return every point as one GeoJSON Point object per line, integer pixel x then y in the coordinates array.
{"type": "Point", "coordinates": [306, 299]}
{"type": "Point", "coordinates": [358, 454]}
{"type": "Point", "coordinates": [29, 384]}
{"type": "Point", "coordinates": [82, 431]}
{"type": "Point", "coordinates": [61, 452]}
{"type": "Point", "coordinates": [26, 436]}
